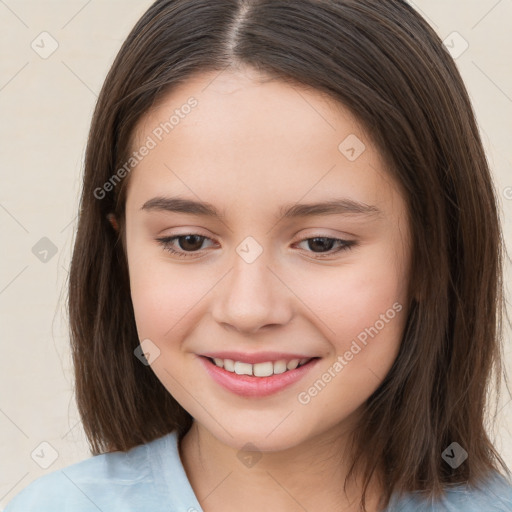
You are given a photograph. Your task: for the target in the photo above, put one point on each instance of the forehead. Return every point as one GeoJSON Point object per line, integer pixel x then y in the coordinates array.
{"type": "Point", "coordinates": [252, 140]}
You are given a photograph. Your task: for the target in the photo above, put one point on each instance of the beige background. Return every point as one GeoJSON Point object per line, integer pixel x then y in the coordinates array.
{"type": "Point", "coordinates": [46, 106]}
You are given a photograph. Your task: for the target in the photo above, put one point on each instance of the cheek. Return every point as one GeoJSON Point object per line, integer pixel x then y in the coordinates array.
{"type": "Point", "coordinates": [166, 297]}
{"type": "Point", "coordinates": [150, 302]}
{"type": "Point", "coordinates": [362, 308]}
{"type": "Point", "coordinates": [161, 299]}
{"type": "Point", "coordinates": [365, 315]}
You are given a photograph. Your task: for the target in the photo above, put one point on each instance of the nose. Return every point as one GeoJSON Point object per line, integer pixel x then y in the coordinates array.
{"type": "Point", "coordinates": [252, 297]}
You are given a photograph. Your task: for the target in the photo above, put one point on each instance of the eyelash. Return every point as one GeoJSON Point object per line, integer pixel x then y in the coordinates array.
{"type": "Point", "coordinates": [165, 242]}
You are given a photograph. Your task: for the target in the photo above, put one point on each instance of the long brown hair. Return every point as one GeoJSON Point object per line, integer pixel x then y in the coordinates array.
{"type": "Point", "coordinates": [382, 61]}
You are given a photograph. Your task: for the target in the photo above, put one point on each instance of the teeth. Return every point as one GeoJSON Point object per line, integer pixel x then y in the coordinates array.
{"type": "Point", "coordinates": [259, 369]}
{"type": "Point", "coordinates": [263, 369]}
{"type": "Point", "coordinates": [280, 367]}
{"type": "Point", "coordinates": [243, 368]}
{"type": "Point", "coordinates": [292, 364]}
{"type": "Point", "coordinates": [229, 365]}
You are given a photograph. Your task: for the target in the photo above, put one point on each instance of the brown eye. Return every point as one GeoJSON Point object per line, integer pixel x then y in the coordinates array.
{"type": "Point", "coordinates": [322, 246]}
{"type": "Point", "coordinates": [188, 243]}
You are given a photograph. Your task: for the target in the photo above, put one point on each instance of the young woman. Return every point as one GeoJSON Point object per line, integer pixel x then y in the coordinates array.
{"type": "Point", "coordinates": [285, 291]}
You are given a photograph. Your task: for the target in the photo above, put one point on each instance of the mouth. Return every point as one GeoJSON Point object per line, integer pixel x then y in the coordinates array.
{"type": "Point", "coordinates": [264, 369]}
{"type": "Point", "coordinates": [257, 379]}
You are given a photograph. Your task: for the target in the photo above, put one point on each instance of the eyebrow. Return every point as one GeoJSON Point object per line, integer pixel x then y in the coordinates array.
{"type": "Point", "coordinates": [330, 207]}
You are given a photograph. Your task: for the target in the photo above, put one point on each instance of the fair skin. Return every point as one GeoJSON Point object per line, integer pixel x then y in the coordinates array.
{"type": "Point", "coordinates": [248, 149]}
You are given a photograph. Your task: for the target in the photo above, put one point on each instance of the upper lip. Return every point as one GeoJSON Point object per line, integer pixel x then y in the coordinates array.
{"type": "Point", "coordinates": [256, 357]}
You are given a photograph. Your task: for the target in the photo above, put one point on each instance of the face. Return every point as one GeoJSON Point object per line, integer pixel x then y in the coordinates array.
{"type": "Point", "coordinates": [267, 283]}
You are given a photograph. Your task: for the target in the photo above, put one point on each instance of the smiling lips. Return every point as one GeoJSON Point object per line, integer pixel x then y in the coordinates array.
{"type": "Point", "coordinates": [259, 369]}
{"type": "Point", "coordinates": [256, 374]}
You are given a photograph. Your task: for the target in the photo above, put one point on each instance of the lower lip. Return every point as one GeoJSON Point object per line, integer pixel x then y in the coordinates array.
{"type": "Point", "coordinates": [247, 385]}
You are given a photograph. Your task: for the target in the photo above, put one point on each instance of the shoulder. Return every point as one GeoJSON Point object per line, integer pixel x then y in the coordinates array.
{"type": "Point", "coordinates": [492, 495]}
{"type": "Point", "coordinates": [101, 482]}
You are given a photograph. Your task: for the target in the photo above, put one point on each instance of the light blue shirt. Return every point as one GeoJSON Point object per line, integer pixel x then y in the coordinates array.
{"type": "Point", "coordinates": [151, 478]}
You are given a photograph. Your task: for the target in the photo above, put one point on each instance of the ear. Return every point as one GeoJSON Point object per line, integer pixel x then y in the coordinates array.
{"type": "Point", "coordinates": [112, 219]}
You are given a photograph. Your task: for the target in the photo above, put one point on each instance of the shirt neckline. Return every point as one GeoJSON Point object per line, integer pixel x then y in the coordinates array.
{"type": "Point", "coordinates": [172, 480]}
{"type": "Point", "coordinates": [170, 474]}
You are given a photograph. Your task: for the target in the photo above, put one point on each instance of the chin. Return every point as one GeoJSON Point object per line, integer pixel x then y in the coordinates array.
{"type": "Point", "coordinates": [260, 437]}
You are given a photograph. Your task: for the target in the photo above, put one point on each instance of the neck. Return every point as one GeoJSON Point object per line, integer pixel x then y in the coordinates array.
{"type": "Point", "coordinates": [306, 477]}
